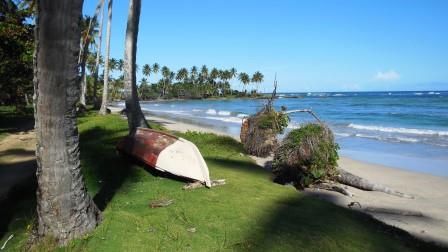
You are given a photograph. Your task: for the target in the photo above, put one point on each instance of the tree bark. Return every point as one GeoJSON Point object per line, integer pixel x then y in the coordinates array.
{"type": "Point", "coordinates": [65, 210]}
{"type": "Point", "coordinates": [97, 60]}
{"type": "Point", "coordinates": [103, 109]}
{"type": "Point", "coordinates": [133, 109]}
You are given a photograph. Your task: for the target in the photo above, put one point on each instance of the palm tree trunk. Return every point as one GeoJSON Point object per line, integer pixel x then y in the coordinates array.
{"type": "Point", "coordinates": [82, 98]}
{"type": "Point", "coordinates": [103, 109]}
{"type": "Point", "coordinates": [133, 110]}
{"type": "Point", "coordinates": [98, 55]}
{"type": "Point", "coordinates": [65, 211]}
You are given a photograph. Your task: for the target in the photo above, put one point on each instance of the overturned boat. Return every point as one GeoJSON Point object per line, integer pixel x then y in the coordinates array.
{"type": "Point", "coordinates": [166, 153]}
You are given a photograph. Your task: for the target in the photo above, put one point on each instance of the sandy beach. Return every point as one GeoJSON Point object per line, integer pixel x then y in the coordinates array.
{"type": "Point", "coordinates": [425, 216]}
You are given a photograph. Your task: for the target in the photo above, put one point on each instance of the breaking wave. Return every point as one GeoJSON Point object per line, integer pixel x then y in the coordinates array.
{"type": "Point", "coordinates": [398, 130]}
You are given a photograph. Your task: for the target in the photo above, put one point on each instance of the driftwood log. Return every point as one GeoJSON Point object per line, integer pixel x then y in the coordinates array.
{"type": "Point", "coordinates": [349, 179]}
{"type": "Point", "coordinates": [199, 184]}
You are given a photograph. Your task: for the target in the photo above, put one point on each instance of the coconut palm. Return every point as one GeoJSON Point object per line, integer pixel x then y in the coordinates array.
{"type": "Point", "coordinates": [146, 70]}
{"type": "Point", "coordinates": [257, 78]}
{"type": "Point", "coordinates": [166, 75]}
{"type": "Point", "coordinates": [88, 30]}
{"type": "Point", "coordinates": [64, 208]}
{"type": "Point", "coordinates": [155, 68]}
{"type": "Point", "coordinates": [182, 75]}
{"type": "Point", "coordinates": [193, 74]}
{"type": "Point", "coordinates": [103, 109]}
{"type": "Point", "coordinates": [203, 78]}
{"type": "Point", "coordinates": [133, 110]}
{"type": "Point", "coordinates": [98, 56]}
{"type": "Point", "coordinates": [245, 79]}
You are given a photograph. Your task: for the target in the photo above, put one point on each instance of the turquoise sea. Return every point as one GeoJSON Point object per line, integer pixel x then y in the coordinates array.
{"type": "Point", "coordinates": [407, 130]}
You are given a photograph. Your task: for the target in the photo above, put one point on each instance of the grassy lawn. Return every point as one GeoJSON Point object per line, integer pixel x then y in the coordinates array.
{"type": "Point", "coordinates": [249, 213]}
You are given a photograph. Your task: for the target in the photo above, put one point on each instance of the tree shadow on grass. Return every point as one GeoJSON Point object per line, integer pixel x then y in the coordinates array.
{"type": "Point", "coordinates": [17, 192]}
{"type": "Point", "coordinates": [304, 223]}
{"type": "Point", "coordinates": [103, 169]}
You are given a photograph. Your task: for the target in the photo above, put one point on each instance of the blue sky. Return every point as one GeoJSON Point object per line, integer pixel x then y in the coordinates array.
{"type": "Point", "coordinates": [336, 45]}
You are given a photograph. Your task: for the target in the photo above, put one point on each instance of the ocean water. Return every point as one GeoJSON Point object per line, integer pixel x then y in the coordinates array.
{"type": "Point", "coordinates": [407, 130]}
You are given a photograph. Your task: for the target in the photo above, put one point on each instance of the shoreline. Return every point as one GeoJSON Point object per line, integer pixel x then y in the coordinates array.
{"type": "Point", "coordinates": [430, 192]}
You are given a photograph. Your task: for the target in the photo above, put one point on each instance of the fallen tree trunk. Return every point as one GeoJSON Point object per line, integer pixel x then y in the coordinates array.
{"type": "Point", "coordinates": [333, 187]}
{"type": "Point", "coordinates": [349, 179]}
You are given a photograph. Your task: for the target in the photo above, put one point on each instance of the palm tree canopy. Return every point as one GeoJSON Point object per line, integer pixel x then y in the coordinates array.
{"type": "Point", "coordinates": [182, 74]}
{"type": "Point", "coordinates": [244, 78]}
{"type": "Point", "coordinates": [147, 70]}
{"type": "Point", "coordinates": [233, 72]}
{"type": "Point", "coordinates": [166, 72]}
{"type": "Point", "coordinates": [155, 68]}
{"type": "Point", "coordinates": [214, 73]}
{"type": "Point", "coordinates": [204, 71]}
{"type": "Point", "coordinates": [257, 77]}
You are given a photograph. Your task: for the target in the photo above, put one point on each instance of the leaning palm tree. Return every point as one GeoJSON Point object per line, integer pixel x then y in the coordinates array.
{"type": "Point", "coordinates": [257, 78]}
{"type": "Point", "coordinates": [133, 110]}
{"type": "Point", "coordinates": [64, 208]}
{"type": "Point", "coordinates": [245, 79]}
{"type": "Point", "coordinates": [103, 109]}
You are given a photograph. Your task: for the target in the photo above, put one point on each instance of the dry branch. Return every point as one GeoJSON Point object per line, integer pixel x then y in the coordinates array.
{"type": "Point", "coordinates": [199, 184]}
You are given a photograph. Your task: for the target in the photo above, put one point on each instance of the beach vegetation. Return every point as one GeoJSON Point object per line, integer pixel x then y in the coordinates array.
{"type": "Point", "coordinates": [307, 155]}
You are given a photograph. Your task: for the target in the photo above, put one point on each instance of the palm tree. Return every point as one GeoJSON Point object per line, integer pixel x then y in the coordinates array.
{"type": "Point", "coordinates": [245, 79]}
{"type": "Point", "coordinates": [182, 75]}
{"type": "Point", "coordinates": [146, 70]}
{"type": "Point", "coordinates": [133, 110]}
{"type": "Point", "coordinates": [193, 74]}
{"type": "Point", "coordinates": [166, 75]}
{"type": "Point", "coordinates": [257, 78]}
{"type": "Point", "coordinates": [64, 208]}
{"type": "Point", "coordinates": [103, 109]}
{"type": "Point", "coordinates": [87, 32]}
{"type": "Point", "coordinates": [204, 77]}
{"type": "Point", "coordinates": [214, 74]}
{"type": "Point", "coordinates": [98, 57]}
{"type": "Point", "coordinates": [155, 68]}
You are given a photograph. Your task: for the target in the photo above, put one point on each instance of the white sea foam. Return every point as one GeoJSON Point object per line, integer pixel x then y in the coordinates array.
{"type": "Point", "coordinates": [241, 115]}
{"type": "Point", "coordinates": [156, 105]}
{"type": "Point", "coordinates": [197, 110]}
{"type": "Point", "coordinates": [398, 130]}
{"type": "Point", "coordinates": [225, 119]}
{"type": "Point", "coordinates": [342, 134]}
{"type": "Point", "coordinates": [211, 112]}
{"type": "Point", "coordinates": [418, 93]}
{"type": "Point", "coordinates": [407, 139]}
{"type": "Point", "coordinates": [224, 113]}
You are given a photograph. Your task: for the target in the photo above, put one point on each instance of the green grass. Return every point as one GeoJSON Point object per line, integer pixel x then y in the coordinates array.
{"type": "Point", "coordinates": [249, 213]}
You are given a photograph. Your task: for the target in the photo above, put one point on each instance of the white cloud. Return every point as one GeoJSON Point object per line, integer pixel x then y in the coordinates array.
{"type": "Point", "coordinates": [387, 75]}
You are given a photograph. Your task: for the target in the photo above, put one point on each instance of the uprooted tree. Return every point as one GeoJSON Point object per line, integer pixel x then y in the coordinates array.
{"type": "Point", "coordinates": [259, 132]}
{"type": "Point", "coordinates": [307, 157]}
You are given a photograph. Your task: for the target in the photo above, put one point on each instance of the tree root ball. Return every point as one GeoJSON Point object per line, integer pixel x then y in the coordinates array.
{"type": "Point", "coordinates": [259, 132]}
{"type": "Point", "coordinates": [306, 156]}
